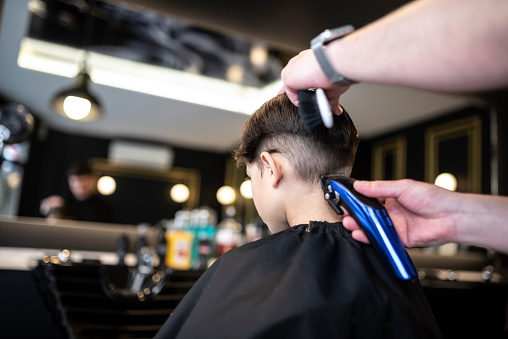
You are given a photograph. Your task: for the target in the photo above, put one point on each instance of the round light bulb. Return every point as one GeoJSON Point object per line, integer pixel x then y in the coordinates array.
{"type": "Point", "coordinates": [246, 189]}
{"type": "Point", "coordinates": [258, 55]}
{"type": "Point", "coordinates": [446, 180]}
{"type": "Point", "coordinates": [235, 74]}
{"type": "Point", "coordinates": [226, 195]}
{"type": "Point", "coordinates": [13, 180]}
{"type": "Point", "coordinates": [77, 108]}
{"type": "Point", "coordinates": [180, 193]}
{"type": "Point", "coordinates": [106, 185]}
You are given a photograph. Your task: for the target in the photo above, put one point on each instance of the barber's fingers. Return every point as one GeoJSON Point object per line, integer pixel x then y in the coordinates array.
{"type": "Point", "coordinates": [383, 189]}
{"type": "Point", "coordinates": [357, 234]}
{"type": "Point", "coordinates": [292, 95]}
{"type": "Point", "coordinates": [333, 94]}
{"type": "Point", "coordinates": [335, 107]}
{"type": "Point", "coordinates": [281, 91]}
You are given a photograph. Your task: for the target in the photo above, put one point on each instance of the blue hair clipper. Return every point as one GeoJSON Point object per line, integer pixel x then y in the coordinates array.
{"type": "Point", "coordinates": [373, 219]}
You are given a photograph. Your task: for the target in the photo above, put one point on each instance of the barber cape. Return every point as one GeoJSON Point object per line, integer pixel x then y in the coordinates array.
{"type": "Point", "coordinates": [309, 281]}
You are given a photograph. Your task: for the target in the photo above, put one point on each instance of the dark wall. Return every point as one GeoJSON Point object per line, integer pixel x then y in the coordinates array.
{"type": "Point", "coordinates": [1, 8]}
{"type": "Point", "coordinates": [500, 105]}
{"type": "Point", "coordinates": [415, 155]}
{"type": "Point", "coordinates": [51, 153]}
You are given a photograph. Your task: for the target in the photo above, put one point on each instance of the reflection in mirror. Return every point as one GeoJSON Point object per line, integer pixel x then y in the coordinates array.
{"type": "Point", "coordinates": [106, 185]}
{"type": "Point", "coordinates": [143, 195]}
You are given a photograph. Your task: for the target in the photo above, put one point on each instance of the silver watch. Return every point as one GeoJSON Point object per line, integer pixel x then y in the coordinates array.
{"type": "Point", "coordinates": [318, 44]}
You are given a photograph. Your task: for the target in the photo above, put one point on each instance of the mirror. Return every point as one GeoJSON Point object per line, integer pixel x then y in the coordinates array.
{"type": "Point", "coordinates": [148, 190]}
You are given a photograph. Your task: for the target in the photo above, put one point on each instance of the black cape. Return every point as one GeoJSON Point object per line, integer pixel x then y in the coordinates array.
{"type": "Point", "coordinates": [309, 281]}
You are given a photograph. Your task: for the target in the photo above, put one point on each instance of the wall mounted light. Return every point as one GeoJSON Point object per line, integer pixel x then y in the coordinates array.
{"type": "Point", "coordinates": [13, 180]}
{"type": "Point", "coordinates": [106, 185]}
{"type": "Point", "coordinates": [226, 195]}
{"type": "Point", "coordinates": [179, 193]}
{"type": "Point", "coordinates": [446, 180]}
{"type": "Point", "coordinates": [246, 189]}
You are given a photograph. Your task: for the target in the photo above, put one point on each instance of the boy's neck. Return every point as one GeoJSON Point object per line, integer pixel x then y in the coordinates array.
{"type": "Point", "coordinates": [309, 205]}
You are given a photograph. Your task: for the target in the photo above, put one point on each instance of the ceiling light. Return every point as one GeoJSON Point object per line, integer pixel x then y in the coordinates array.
{"type": "Point", "coordinates": [258, 55]}
{"type": "Point", "coordinates": [134, 76]}
{"type": "Point", "coordinates": [78, 103]}
{"type": "Point", "coordinates": [235, 74]}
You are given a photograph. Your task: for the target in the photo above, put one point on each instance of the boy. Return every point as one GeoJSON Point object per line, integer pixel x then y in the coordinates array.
{"type": "Point", "coordinates": [309, 279]}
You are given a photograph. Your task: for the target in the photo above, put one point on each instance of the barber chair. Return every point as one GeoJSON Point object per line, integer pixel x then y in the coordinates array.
{"type": "Point", "coordinates": [91, 300]}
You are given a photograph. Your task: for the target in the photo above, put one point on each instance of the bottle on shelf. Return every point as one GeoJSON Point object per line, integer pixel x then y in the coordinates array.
{"type": "Point", "coordinates": [179, 241]}
{"type": "Point", "coordinates": [204, 241]}
{"type": "Point", "coordinates": [229, 233]}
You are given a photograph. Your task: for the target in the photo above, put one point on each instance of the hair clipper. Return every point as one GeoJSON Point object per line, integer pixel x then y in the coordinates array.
{"type": "Point", "coordinates": [373, 219]}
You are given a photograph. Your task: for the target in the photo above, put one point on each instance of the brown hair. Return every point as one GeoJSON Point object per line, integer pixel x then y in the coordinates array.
{"type": "Point", "coordinates": [277, 127]}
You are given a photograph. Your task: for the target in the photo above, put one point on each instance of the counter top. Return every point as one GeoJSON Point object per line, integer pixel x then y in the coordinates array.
{"type": "Point", "coordinates": [25, 259]}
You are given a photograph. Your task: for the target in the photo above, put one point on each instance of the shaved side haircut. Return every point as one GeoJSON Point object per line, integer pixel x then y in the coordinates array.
{"type": "Point", "coordinates": [276, 127]}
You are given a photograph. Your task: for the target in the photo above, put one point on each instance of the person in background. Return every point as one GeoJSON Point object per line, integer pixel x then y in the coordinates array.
{"type": "Point", "coordinates": [440, 45]}
{"type": "Point", "coordinates": [58, 213]}
{"type": "Point", "coordinates": [309, 279]}
{"type": "Point", "coordinates": [84, 203]}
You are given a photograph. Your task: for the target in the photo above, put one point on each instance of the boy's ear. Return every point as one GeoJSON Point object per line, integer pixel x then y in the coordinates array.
{"type": "Point", "coordinates": [272, 168]}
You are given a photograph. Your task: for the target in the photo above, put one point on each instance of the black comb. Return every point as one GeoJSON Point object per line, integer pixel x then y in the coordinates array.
{"type": "Point", "coordinates": [308, 109]}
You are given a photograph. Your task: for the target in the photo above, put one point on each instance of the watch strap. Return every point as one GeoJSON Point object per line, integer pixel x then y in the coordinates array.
{"type": "Point", "coordinates": [318, 45]}
{"type": "Point", "coordinates": [331, 74]}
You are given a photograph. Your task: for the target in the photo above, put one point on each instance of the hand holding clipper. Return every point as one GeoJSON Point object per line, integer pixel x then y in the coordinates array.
{"type": "Point", "coordinates": [373, 218]}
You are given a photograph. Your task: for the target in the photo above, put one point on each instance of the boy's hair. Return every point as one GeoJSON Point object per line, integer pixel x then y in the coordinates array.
{"type": "Point", "coordinates": [277, 127]}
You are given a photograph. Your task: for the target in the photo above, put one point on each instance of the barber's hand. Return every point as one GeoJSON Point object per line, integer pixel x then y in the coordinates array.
{"type": "Point", "coordinates": [423, 214]}
{"type": "Point", "coordinates": [303, 72]}
{"type": "Point", "coordinates": [53, 201]}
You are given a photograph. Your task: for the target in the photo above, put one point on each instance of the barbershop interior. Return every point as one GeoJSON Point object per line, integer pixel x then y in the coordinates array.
{"type": "Point", "coordinates": [169, 86]}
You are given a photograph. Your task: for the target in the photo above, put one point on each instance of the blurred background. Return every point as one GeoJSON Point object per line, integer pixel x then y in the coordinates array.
{"type": "Point", "coordinates": [169, 86]}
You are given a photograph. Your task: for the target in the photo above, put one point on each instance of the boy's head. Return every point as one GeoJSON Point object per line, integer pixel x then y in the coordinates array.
{"type": "Point", "coordinates": [285, 161]}
{"type": "Point", "coordinates": [277, 127]}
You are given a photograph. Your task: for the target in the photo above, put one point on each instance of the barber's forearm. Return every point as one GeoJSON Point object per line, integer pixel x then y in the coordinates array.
{"type": "Point", "coordinates": [483, 221]}
{"type": "Point", "coordinates": [446, 45]}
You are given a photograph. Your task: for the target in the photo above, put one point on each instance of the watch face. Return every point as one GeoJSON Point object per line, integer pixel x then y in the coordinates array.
{"type": "Point", "coordinates": [16, 123]}
{"type": "Point", "coordinates": [329, 35]}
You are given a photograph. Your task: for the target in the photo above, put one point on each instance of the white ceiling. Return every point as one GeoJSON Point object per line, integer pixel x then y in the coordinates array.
{"type": "Point", "coordinates": [375, 109]}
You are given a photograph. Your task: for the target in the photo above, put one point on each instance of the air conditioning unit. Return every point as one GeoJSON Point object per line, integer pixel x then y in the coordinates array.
{"type": "Point", "coordinates": [130, 153]}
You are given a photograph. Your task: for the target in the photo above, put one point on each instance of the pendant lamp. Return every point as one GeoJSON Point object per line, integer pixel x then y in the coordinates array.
{"type": "Point", "coordinates": [77, 102]}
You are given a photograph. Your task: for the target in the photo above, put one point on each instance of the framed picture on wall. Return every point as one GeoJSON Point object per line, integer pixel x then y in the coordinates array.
{"type": "Point", "coordinates": [455, 148]}
{"type": "Point", "coordinates": [389, 158]}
